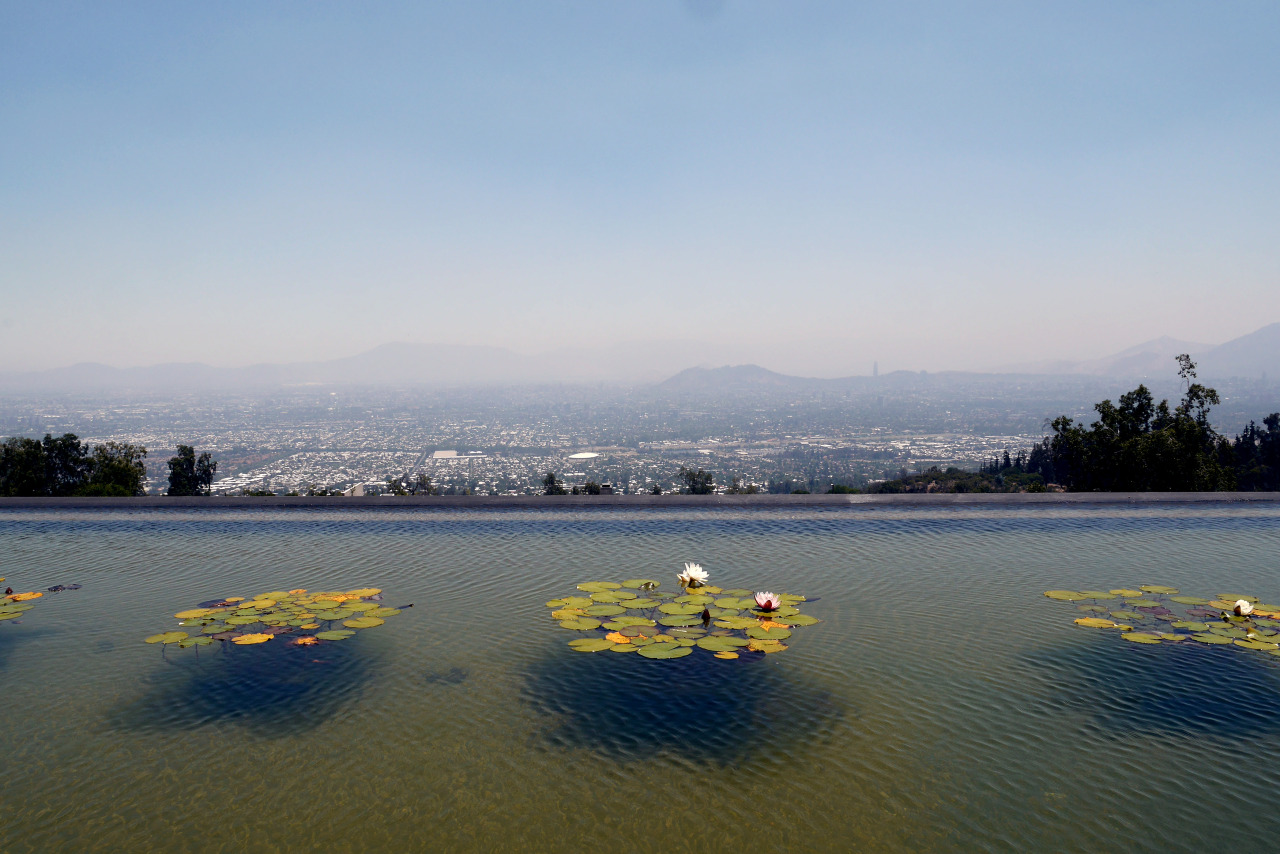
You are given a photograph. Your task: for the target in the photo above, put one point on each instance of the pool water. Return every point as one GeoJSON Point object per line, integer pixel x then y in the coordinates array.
{"type": "Point", "coordinates": [942, 704]}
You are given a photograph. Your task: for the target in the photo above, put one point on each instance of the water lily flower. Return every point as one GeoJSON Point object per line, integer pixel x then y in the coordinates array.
{"type": "Point", "coordinates": [768, 601]}
{"type": "Point", "coordinates": [1243, 608]}
{"type": "Point", "coordinates": [693, 576]}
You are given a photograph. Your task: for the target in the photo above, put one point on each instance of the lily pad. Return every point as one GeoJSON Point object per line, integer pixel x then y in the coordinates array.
{"type": "Point", "coordinates": [1099, 623]}
{"type": "Point", "coordinates": [624, 647]}
{"type": "Point", "coordinates": [582, 624]}
{"type": "Point", "coordinates": [382, 612]}
{"type": "Point", "coordinates": [598, 586]}
{"type": "Point", "coordinates": [605, 610]}
{"type": "Point", "coordinates": [1097, 594]}
{"type": "Point", "coordinates": [1189, 600]}
{"type": "Point", "coordinates": [1190, 625]}
{"type": "Point", "coordinates": [1159, 588]}
{"type": "Point", "coordinates": [680, 621]}
{"type": "Point", "coordinates": [695, 599]}
{"type": "Point", "coordinates": [665, 650]}
{"type": "Point", "coordinates": [190, 642]}
{"type": "Point", "coordinates": [1141, 637]}
{"type": "Point", "coordinates": [1212, 639]}
{"type": "Point", "coordinates": [638, 604]}
{"type": "Point", "coordinates": [761, 633]}
{"type": "Point", "coordinates": [247, 640]}
{"type": "Point", "coordinates": [675, 608]}
{"type": "Point", "coordinates": [737, 623]}
{"type": "Point", "coordinates": [167, 637]}
{"type": "Point", "coordinates": [590, 644]}
{"type": "Point", "coordinates": [1125, 592]}
{"type": "Point", "coordinates": [363, 622]}
{"type": "Point", "coordinates": [335, 635]}
{"type": "Point", "coordinates": [1256, 644]}
{"type": "Point", "coordinates": [1065, 595]}
{"type": "Point", "coordinates": [637, 583]}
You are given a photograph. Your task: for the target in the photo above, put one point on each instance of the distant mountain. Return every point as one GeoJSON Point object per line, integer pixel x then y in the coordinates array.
{"type": "Point", "coordinates": [1154, 357]}
{"type": "Point", "coordinates": [1254, 355]}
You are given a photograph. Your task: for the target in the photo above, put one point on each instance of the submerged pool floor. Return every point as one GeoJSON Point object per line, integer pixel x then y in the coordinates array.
{"type": "Point", "coordinates": [943, 703]}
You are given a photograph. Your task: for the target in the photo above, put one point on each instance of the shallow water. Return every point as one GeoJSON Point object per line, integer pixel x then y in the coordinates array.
{"type": "Point", "coordinates": [944, 703]}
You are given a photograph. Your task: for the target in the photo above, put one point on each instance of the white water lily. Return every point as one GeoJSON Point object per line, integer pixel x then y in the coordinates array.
{"type": "Point", "coordinates": [768, 601]}
{"type": "Point", "coordinates": [693, 576]}
{"type": "Point", "coordinates": [1243, 608]}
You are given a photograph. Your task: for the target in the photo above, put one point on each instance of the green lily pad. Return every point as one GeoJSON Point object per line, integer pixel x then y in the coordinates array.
{"type": "Point", "coordinates": [803, 620]}
{"type": "Point", "coordinates": [680, 621]}
{"type": "Point", "coordinates": [605, 598]}
{"type": "Point", "coordinates": [241, 621]}
{"type": "Point", "coordinates": [1142, 603]}
{"type": "Point", "coordinates": [1159, 588]}
{"type": "Point", "coordinates": [1228, 631]}
{"type": "Point", "coordinates": [335, 635]}
{"type": "Point", "coordinates": [167, 637]}
{"type": "Point", "coordinates": [1065, 595]}
{"type": "Point", "coordinates": [629, 620]}
{"type": "Point", "coordinates": [382, 612]}
{"type": "Point", "coordinates": [1141, 637]}
{"type": "Point", "coordinates": [687, 631]}
{"type": "Point", "coordinates": [642, 640]}
{"type": "Point", "coordinates": [1234, 597]}
{"type": "Point", "coordinates": [737, 623]}
{"type": "Point", "coordinates": [10, 615]}
{"type": "Point", "coordinates": [639, 604]}
{"type": "Point", "coordinates": [1189, 600]}
{"type": "Point", "coordinates": [582, 624]}
{"type": "Point", "coordinates": [1191, 625]}
{"type": "Point", "coordinates": [190, 642]}
{"type": "Point", "coordinates": [605, 610]}
{"type": "Point", "coordinates": [665, 650]}
{"type": "Point", "coordinates": [598, 586]}
{"type": "Point", "coordinates": [675, 608]}
{"type": "Point", "coordinates": [1255, 644]}
{"type": "Point", "coordinates": [761, 633]}
{"type": "Point", "coordinates": [1097, 594]}
{"type": "Point", "coordinates": [738, 591]}
{"type": "Point", "coordinates": [1212, 639]}
{"type": "Point", "coordinates": [359, 606]}
{"type": "Point", "coordinates": [213, 629]}
{"type": "Point", "coordinates": [639, 631]}
{"type": "Point", "coordinates": [1096, 609]}
{"type": "Point", "coordinates": [637, 583]}
{"type": "Point", "coordinates": [714, 644]}
{"type": "Point", "coordinates": [1127, 615]}
{"type": "Point", "coordinates": [363, 622]}
{"type": "Point", "coordinates": [624, 647]}
{"type": "Point", "coordinates": [590, 644]}
{"type": "Point", "coordinates": [695, 599]}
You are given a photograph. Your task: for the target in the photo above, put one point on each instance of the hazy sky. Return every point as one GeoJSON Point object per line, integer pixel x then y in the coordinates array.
{"type": "Point", "coordinates": [813, 185]}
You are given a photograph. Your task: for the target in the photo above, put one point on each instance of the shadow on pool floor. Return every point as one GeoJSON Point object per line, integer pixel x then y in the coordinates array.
{"type": "Point", "coordinates": [1173, 688]}
{"type": "Point", "coordinates": [274, 690]}
{"type": "Point", "coordinates": [697, 707]}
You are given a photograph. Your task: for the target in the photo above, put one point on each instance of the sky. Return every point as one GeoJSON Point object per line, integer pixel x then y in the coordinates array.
{"type": "Point", "coordinates": [811, 186]}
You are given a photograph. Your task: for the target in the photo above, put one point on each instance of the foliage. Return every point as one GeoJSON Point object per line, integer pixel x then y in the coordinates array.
{"type": "Point", "coordinates": [65, 466]}
{"type": "Point", "coordinates": [842, 489]}
{"type": "Point", "coordinates": [655, 490]}
{"type": "Point", "coordinates": [635, 616]}
{"type": "Point", "coordinates": [189, 474]}
{"type": "Point", "coordinates": [1138, 445]}
{"type": "Point", "coordinates": [958, 480]}
{"type": "Point", "coordinates": [697, 482]}
{"type": "Point", "coordinates": [333, 616]}
{"type": "Point", "coordinates": [1151, 615]}
{"type": "Point", "coordinates": [552, 485]}
{"type": "Point", "coordinates": [591, 488]}
{"type": "Point", "coordinates": [737, 487]}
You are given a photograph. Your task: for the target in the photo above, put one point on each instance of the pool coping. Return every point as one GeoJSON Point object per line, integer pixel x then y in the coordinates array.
{"type": "Point", "coordinates": [757, 501]}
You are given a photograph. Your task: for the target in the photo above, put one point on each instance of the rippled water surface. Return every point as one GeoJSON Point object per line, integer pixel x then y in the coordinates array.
{"type": "Point", "coordinates": [943, 704]}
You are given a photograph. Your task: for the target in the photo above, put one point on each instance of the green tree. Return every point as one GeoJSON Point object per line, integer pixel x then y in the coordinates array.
{"type": "Point", "coordinates": [189, 474]}
{"type": "Point", "coordinates": [697, 482]}
{"type": "Point", "coordinates": [117, 469]}
{"type": "Point", "coordinates": [551, 485]}
{"type": "Point", "coordinates": [22, 469]}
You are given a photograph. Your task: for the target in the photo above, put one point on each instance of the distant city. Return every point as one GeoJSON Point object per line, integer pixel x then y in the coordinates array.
{"type": "Point", "coordinates": [774, 433]}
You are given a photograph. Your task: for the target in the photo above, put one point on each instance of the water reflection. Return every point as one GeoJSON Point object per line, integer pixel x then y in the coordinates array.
{"type": "Point", "coordinates": [452, 676]}
{"type": "Point", "coordinates": [14, 635]}
{"type": "Point", "coordinates": [1185, 688]}
{"type": "Point", "coordinates": [274, 689]}
{"type": "Point", "coordinates": [696, 707]}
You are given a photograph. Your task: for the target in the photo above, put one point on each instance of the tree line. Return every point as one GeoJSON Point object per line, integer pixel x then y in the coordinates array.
{"type": "Point", "coordinates": [64, 466]}
{"type": "Point", "coordinates": [1139, 445]}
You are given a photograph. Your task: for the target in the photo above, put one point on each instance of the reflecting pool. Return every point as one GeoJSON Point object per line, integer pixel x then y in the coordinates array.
{"type": "Point", "coordinates": [943, 703]}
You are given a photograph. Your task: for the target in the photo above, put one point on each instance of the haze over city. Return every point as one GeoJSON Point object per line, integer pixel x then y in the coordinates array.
{"type": "Point", "coordinates": [813, 187]}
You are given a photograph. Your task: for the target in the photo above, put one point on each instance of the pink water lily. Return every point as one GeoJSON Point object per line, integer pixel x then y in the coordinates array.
{"type": "Point", "coordinates": [768, 601]}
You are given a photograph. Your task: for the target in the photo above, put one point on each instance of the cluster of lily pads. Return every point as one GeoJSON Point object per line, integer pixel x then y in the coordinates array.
{"type": "Point", "coordinates": [1154, 613]}
{"type": "Point", "coordinates": [312, 617]}
{"type": "Point", "coordinates": [635, 616]}
{"type": "Point", "coordinates": [14, 605]}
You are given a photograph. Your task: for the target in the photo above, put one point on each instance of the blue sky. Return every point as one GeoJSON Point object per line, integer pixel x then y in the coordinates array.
{"type": "Point", "coordinates": [811, 186]}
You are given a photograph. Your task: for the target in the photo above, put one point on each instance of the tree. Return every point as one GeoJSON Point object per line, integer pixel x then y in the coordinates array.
{"type": "Point", "coordinates": [422, 485]}
{"type": "Point", "coordinates": [551, 485]}
{"type": "Point", "coordinates": [117, 469]}
{"type": "Point", "coordinates": [189, 475]}
{"type": "Point", "coordinates": [66, 464]}
{"type": "Point", "coordinates": [697, 482]}
{"type": "Point", "coordinates": [591, 488]}
{"type": "Point", "coordinates": [22, 470]}
{"type": "Point", "coordinates": [655, 490]}
{"type": "Point", "coordinates": [396, 487]}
